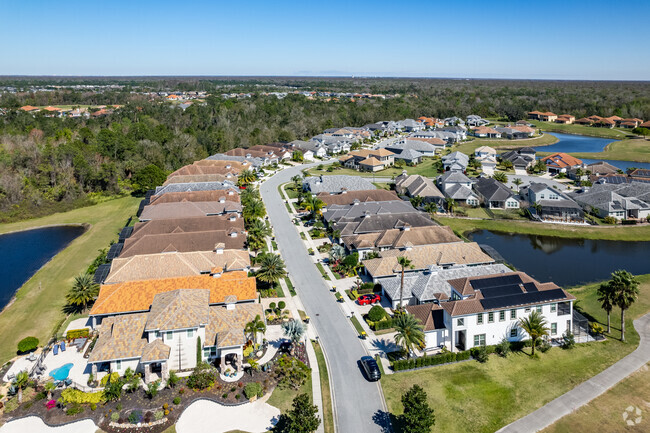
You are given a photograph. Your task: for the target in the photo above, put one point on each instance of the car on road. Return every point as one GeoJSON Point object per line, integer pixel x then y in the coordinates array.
{"type": "Point", "coordinates": [368, 299]}
{"type": "Point", "coordinates": [370, 368]}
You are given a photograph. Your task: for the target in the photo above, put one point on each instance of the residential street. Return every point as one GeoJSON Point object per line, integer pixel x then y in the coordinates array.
{"type": "Point", "coordinates": [359, 404]}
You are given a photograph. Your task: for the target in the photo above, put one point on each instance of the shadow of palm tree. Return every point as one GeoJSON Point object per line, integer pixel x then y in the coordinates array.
{"type": "Point", "coordinates": [384, 345]}
{"type": "Point", "coordinates": [384, 420]}
{"type": "Point", "coordinates": [72, 309]}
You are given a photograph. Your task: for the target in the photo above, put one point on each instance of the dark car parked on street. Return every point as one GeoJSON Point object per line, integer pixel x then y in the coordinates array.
{"type": "Point", "coordinates": [370, 368]}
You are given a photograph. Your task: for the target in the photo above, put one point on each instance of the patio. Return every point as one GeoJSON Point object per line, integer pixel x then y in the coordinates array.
{"type": "Point", "coordinates": [80, 371]}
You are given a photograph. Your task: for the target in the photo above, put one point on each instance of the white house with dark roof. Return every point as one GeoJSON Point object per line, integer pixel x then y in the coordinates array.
{"type": "Point", "coordinates": [336, 184]}
{"type": "Point", "coordinates": [483, 310]}
{"type": "Point", "coordinates": [457, 186]}
{"type": "Point", "coordinates": [626, 201]}
{"type": "Point", "coordinates": [495, 195]}
{"type": "Point", "coordinates": [455, 161]}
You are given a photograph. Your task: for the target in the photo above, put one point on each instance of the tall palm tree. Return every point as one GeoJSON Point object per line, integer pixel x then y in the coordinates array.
{"type": "Point", "coordinates": [450, 204]}
{"type": "Point", "coordinates": [254, 327]}
{"type": "Point", "coordinates": [84, 291]}
{"type": "Point", "coordinates": [417, 201]}
{"type": "Point", "coordinates": [500, 176]}
{"type": "Point", "coordinates": [271, 268]}
{"type": "Point", "coordinates": [258, 230]}
{"type": "Point", "coordinates": [409, 332]}
{"type": "Point", "coordinates": [245, 177]}
{"type": "Point", "coordinates": [626, 292]}
{"type": "Point", "coordinates": [21, 380]}
{"type": "Point", "coordinates": [535, 326]}
{"type": "Point", "coordinates": [607, 299]}
{"type": "Point", "coordinates": [314, 205]}
{"type": "Point", "coordinates": [517, 182]}
{"type": "Point", "coordinates": [404, 262]}
{"type": "Point", "coordinates": [297, 182]}
{"type": "Point", "coordinates": [538, 208]}
{"type": "Point", "coordinates": [431, 207]}
{"type": "Point", "coordinates": [248, 195]}
{"type": "Point", "coordinates": [254, 209]}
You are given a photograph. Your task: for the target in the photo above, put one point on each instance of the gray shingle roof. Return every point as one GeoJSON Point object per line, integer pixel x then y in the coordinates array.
{"type": "Point", "coordinates": [336, 183]}
{"type": "Point", "coordinates": [194, 186]}
{"type": "Point", "coordinates": [335, 213]}
{"type": "Point", "coordinates": [492, 190]}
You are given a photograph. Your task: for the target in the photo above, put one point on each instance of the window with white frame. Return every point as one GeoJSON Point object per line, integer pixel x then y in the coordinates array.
{"type": "Point", "coordinates": [118, 365]}
{"type": "Point", "coordinates": [553, 328]}
{"type": "Point", "coordinates": [190, 333]}
{"type": "Point", "coordinates": [553, 308]}
{"type": "Point", "coordinates": [479, 319]}
{"type": "Point", "coordinates": [527, 310]}
{"type": "Point", "coordinates": [490, 317]}
{"type": "Point", "coordinates": [479, 340]}
{"type": "Point", "coordinates": [513, 332]}
{"type": "Point", "coordinates": [170, 335]}
{"type": "Point", "coordinates": [460, 322]}
{"type": "Point", "coordinates": [502, 316]}
{"type": "Point", "coordinates": [513, 314]}
{"type": "Point", "coordinates": [158, 335]}
{"type": "Point", "coordinates": [539, 309]}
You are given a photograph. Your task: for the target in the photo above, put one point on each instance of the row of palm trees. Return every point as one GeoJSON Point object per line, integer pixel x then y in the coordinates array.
{"type": "Point", "coordinates": [621, 291]}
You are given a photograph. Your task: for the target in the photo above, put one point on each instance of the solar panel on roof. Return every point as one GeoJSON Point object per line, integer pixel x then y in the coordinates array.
{"type": "Point", "coordinates": [522, 299]}
{"type": "Point", "coordinates": [114, 251]}
{"type": "Point", "coordinates": [101, 273]}
{"type": "Point", "coordinates": [497, 291]}
{"type": "Point", "coordinates": [501, 280]}
{"type": "Point", "coordinates": [530, 287]}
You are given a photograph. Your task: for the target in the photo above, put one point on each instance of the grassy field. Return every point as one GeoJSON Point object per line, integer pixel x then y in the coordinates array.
{"type": "Point", "coordinates": [327, 416]}
{"type": "Point", "coordinates": [581, 129]}
{"type": "Point", "coordinates": [425, 168]}
{"type": "Point", "coordinates": [282, 398]}
{"type": "Point", "coordinates": [43, 295]}
{"type": "Point", "coordinates": [471, 396]}
{"type": "Point", "coordinates": [613, 233]}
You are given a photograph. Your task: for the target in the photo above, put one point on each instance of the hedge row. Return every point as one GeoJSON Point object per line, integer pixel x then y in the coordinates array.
{"type": "Point", "coordinates": [382, 324]}
{"type": "Point", "coordinates": [77, 333]}
{"type": "Point", "coordinates": [425, 361]}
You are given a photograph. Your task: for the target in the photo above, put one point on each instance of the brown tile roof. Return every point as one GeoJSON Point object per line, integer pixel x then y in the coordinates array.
{"type": "Point", "coordinates": [181, 242]}
{"type": "Point", "coordinates": [190, 178]}
{"type": "Point", "coordinates": [188, 209]}
{"type": "Point", "coordinates": [430, 315]}
{"type": "Point", "coordinates": [171, 265]}
{"type": "Point", "coordinates": [563, 160]}
{"type": "Point", "coordinates": [214, 195]}
{"type": "Point", "coordinates": [135, 296]}
{"type": "Point", "coordinates": [178, 309]}
{"type": "Point", "coordinates": [237, 165]}
{"type": "Point", "coordinates": [244, 152]}
{"type": "Point", "coordinates": [485, 130]}
{"type": "Point", "coordinates": [50, 108]}
{"type": "Point", "coordinates": [523, 128]}
{"type": "Point", "coordinates": [368, 153]}
{"type": "Point", "coordinates": [645, 124]}
{"type": "Point", "coordinates": [460, 253]}
{"type": "Point", "coordinates": [187, 225]}
{"type": "Point", "coordinates": [194, 169]}
{"type": "Point", "coordinates": [226, 326]}
{"type": "Point", "coordinates": [28, 108]}
{"type": "Point", "coordinates": [396, 238]}
{"type": "Point", "coordinates": [372, 161]}
{"type": "Point", "coordinates": [120, 337]}
{"type": "Point", "coordinates": [155, 351]}
{"type": "Point", "coordinates": [585, 120]}
{"type": "Point", "coordinates": [434, 141]}
{"type": "Point", "coordinates": [362, 196]}
{"type": "Point", "coordinates": [566, 116]}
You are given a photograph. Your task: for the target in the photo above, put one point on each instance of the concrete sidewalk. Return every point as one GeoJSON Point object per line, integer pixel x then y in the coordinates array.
{"type": "Point", "coordinates": [589, 390]}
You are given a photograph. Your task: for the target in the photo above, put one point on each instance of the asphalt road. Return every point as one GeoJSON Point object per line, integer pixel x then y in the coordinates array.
{"type": "Point", "coordinates": [359, 404]}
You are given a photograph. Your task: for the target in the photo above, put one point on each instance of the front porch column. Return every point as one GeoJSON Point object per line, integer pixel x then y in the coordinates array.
{"type": "Point", "coordinates": [239, 360]}
{"type": "Point", "coordinates": [164, 370]}
{"type": "Point", "coordinates": [93, 370]}
{"type": "Point", "coordinates": [147, 373]}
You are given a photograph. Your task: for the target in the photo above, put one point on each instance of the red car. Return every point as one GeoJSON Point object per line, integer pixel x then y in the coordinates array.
{"type": "Point", "coordinates": [368, 299]}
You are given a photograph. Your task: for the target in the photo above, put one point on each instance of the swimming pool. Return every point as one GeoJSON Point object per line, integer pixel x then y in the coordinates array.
{"type": "Point", "coordinates": [62, 372]}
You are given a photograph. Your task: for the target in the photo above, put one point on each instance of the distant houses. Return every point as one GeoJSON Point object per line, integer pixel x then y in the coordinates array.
{"type": "Point", "coordinates": [561, 162]}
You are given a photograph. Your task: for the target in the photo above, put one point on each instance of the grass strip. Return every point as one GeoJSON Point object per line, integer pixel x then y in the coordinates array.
{"type": "Point", "coordinates": [328, 416]}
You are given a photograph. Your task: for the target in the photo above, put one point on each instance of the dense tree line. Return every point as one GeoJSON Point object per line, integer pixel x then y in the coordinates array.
{"type": "Point", "coordinates": [49, 163]}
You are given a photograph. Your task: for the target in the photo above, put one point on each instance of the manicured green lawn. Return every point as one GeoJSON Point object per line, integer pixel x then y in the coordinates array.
{"type": "Point", "coordinates": [356, 324]}
{"type": "Point", "coordinates": [503, 143]}
{"type": "Point", "coordinates": [581, 129]}
{"type": "Point", "coordinates": [322, 271]}
{"type": "Point", "coordinates": [37, 305]}
{"type": "Point", "coordinates": [476, 397]}
{"type": "Point", "coordinates": [625, 150]}
{"type": "Point", "coordinates": [425, 168]}
{"type": "Point", "coordinates": [282, 398]}
{"type": "Point", "coordinates": [326, 416]}
{"type": "Point", "coordinates": [614, 233]}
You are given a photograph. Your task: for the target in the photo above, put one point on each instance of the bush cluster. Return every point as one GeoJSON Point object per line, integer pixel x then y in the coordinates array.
{"type": "Point", "coordinates": [253, 389]}
{"type": "Point", "coordinates": [77, 333]}
{"type": "Point", "coordinates": [27, 344]}
{"type": "Point", "coordinates": [426, 361]}
{"type": "Point", "coordinates": [71, 395]}
{"type": "Point", "coordinates": [202, 377]}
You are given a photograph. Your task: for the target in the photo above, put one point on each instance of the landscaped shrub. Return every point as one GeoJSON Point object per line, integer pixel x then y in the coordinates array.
{"type": "Point", "coordinates": [568, 340]}
{"type": "Point", "coordinates": [157, 415]}
{"type": "Point", "coordinates": [77, 333]}
{"type": "Point", "coordinates": [202, 377]}
{"type": "Point", "coordinates": [383, 324]}
{"type": "Point", "coordinates": [72, 395]}
{"type": "Point", "coordinates": [376, 313]}
{"type": "Point", "coordinates": [609, 220]}
{"type": "Point", "coordinates": [481, 354]}
{"type": "Point", "coordinates": [253, 389]}
{"type": "Point", "coordinates": [27, 344]}
{"type": "Point", "coordinates": [177, 400]}
{"type": "Point", "coordinates": [115, 416]}
{"type": "Point", "coordinates": [74, 409]}
{"type": "Point", "coordinates": [135, 417]}
{"type": "Point", "coordinates": [282, 305]}
{"type": "Point", "coordinates": [596, 328]}
{"type": "Point", "coordinates": [544, 346]}
{"type": "Point", "coordinates": [503, 348]}
{"type": "Point", "coordinates": [112, 377]}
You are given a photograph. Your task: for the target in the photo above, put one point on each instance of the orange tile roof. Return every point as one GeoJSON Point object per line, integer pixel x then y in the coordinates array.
{"type": "Point", "coordinates": [28, 108]}
{"type": "Point", "coordinates": [563, 160]}
{"type": "Point", "coordinates": [50, 108]}
{"type": "Point", "coordinates": [136, 296]}
{"type": "Point", "coordinates": [372, 161]}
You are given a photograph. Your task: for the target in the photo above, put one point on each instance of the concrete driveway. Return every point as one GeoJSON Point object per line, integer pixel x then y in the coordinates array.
{"type": "Point", "coordinates": [210, 417]}
{"type": "Point", "coordinates": [33, 424]}
{"type": "Point", "coordinates": [359, 404]}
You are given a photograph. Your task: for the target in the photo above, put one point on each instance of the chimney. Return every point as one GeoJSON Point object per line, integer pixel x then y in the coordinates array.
{"type": "Point", "coordinates": [231, 301]}
{"type": "Point", "coordinates": [222, 199]}
{"type": "Point", "coordinates": [219, 248]}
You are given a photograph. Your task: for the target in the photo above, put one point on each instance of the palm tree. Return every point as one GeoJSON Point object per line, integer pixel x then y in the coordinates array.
{"type": "Point", "coordinates": [258, 230]}
{"type": "Point", "coordinates": [535, 326]}
{"type": "Point", "coordinates": [517, 182]}
{"type": "Point", "coordinates": [49, 388]}
{"type": "Point", "coordinates": [297, 182]}
{"type": "Point", "coordinates": [314, 205]}
{"type": "Point", "coordinates": [83, 292]}
{"type": "Point", "coordinates": [254, 327]}
{"type": "Point", "coordinates": [500, 176]}
{"type": "Point", "coordinates": [431, 207]}
{"type": "Point", "coordinates": [21, 380]}
{"type": "Point", "coordinates": [507, 164]}
{"type": "Point", "coordinates": [336, 253]}
{"type": "Point", "coordinates": [271, 268]}
{"type": "Point", "coordinates": [254, 209]}
{"type": "Point", "coordinates": [606, 297]}
{"type": "Point", "coordinates": [404, 262]}
{"type": "Point", "coordinates": [450, 204]}
{"type": "Point", "coordinates": [336, 234]}
{"type": "Point", "coordinates": [626, 292]}
{"type": "Point", "coordinates": [409, 332]}
{"type": "Point", "coordinates": [248, 195]}
{"type": "Point", "coordinates": [537, 207]}
{"type": "Point", "coordinates": [246, 177]}
{"type": "Point", "coordinates": [416, 201]}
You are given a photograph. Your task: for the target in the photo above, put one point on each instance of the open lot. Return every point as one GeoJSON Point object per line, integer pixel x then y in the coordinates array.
{"type": "Point", "coordinates": [36, 309]}
{"type": "Point", "coordinates": [470, 396]}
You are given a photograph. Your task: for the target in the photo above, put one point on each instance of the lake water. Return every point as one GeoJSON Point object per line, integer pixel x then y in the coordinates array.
{"type": "Point", "coordinates": [567, 262]}
{"type": "Point", "coordinates": [570, 143]}
{"type": "Point", "coordinates": [24, 253]}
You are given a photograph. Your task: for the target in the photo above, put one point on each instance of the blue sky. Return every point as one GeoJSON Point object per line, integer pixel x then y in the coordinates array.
{"type": "Point", "coordinates": [597, 40]}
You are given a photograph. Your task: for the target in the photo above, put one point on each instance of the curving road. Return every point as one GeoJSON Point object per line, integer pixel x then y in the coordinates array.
{"type": "Point", "coordinates": [358, 404]}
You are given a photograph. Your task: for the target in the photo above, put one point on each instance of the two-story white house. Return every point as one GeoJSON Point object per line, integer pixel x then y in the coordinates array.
{"type": "Point", "coordinates": [483, 310]}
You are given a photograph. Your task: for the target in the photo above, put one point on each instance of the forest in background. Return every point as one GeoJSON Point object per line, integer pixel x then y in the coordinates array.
{"type": "Point", "coordinates": [50, 164]}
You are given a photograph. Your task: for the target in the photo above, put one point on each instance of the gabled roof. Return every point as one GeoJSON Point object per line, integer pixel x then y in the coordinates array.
{"type": "Point", "coordinates": [188, 209]}
{"type": "Point", "coordinates": [120, 337]}
{"type": "Point", "coordinates": [335, 213]}
{"type": "Point", "coordinates": [194, 196]}
{"type": "Point", "coordinates": [337, 184]}
{"type": "Point", "coordinates": [492, 189]}
{"type": "Point", "coordinates": [453, 177]}
{"type": "Point", "coordinates": [178, 309]}
{"type": "Point", "coordinates": [431, 316]}
{"type": "Point", "coordinates": [181, 242]}
{"type": "Point", "coordinates": [187, 225]}
{"type": "Point", "coordinates": [194, 186]}
{"type": "Point", "coordinates": [403, 238]}
{"type": "Point", "coordinates": [418, 185]}
{"type": "Point", "coordinates": [134, 296]}
{"type": "Point", "coordinates": [155, 351]}
{"type": "Point", "coordinates": [226, 327]}
{"type": "Point", "coordinates": [561, 160]}
{"type": "Point", "coordinates": [361, 196]}
{"type": "Point", "coordinates": [458, 192]}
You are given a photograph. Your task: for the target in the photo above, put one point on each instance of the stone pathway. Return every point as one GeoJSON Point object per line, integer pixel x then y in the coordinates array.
{"type": "Point", "coordinates": [589, 390]}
